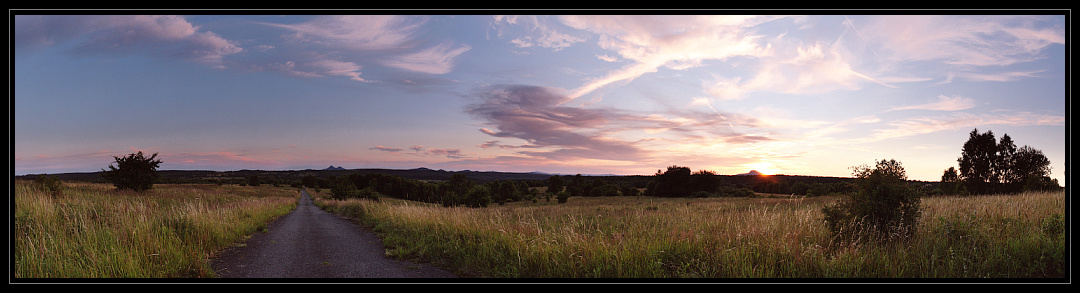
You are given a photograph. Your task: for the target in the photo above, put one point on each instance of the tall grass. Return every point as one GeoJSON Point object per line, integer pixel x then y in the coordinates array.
{"type": "Point", "coordinates": [1007, 236]}
{"type": "Point", "coordinates": [94, 231]}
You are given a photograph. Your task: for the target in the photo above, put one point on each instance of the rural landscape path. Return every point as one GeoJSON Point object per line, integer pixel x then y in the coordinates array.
{"type": "Point", "coordinates": [312, 243]}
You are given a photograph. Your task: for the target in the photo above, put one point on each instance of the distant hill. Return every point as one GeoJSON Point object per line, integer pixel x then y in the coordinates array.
{"type": "Point", "coordinates": [751, 173]}
{"type": "Point", "coordinates": [334, 168]}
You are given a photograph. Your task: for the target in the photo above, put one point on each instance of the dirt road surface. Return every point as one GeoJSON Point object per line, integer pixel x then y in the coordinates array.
{"type": "Point", "coordinates": [312, 243]}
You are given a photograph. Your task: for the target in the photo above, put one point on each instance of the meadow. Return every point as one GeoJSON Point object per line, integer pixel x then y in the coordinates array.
{"type": "Point", "coordinates": [92, 230]}
{"type": "Point", "coordinates": [1016, 236]}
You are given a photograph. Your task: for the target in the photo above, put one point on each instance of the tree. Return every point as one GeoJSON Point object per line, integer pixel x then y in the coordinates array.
{"type": "Point", "coordinates": [977, 160]}
{"type": "Point", "coordinates": [135, 172]}
{"type": "Point", "coordinates": [987, 167]}
{"type": "Point", "coordinates": [675, 182]}
{"type": "Point", "coordinates": [253, 180]}
{"type": "Point", "coordinates": [478, 196]}
{"type": "Point", "coordinates": [1005, 168]}
{"type": "Point", "coordinates": [884, 205]}
{"type": "Point", "coordinates": [577, 186]}
{"type": "Point", "coordinates": [309, 181]}
{"type": "Point", "coordinates": [950, 182]}
{"type": "Point", "coordinates": [554, 184]}
{"type": "Point", "coordinates": [1029, 162]}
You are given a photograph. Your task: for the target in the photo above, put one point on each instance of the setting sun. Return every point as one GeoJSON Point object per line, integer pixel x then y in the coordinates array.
{"type": "Point", "coordinates": [765, 168]}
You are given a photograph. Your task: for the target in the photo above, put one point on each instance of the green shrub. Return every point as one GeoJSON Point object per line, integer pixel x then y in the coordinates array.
{"type": "Point", "coordinates": [48, 183]}
{"type": "Point", "coordinates": [563, 196]}
{"type": "Point", "coordinates": [883, 207]}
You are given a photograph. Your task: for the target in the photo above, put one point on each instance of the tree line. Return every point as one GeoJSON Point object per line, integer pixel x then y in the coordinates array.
{"type": "Point", "coordinates": [988, 165]}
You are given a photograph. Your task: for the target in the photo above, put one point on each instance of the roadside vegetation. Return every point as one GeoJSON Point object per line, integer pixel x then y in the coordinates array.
{"type": "Point", "coordinates": [93, 230]}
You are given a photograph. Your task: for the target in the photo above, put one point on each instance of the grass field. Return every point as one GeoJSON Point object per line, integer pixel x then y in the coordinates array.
{"type": "Point", "coordinates": [93, 231]}
{"type": "Point", "coordinates": [999, 236]}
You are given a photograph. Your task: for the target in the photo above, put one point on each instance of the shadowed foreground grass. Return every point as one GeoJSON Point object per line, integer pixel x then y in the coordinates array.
{"type": "Point", "coordinates": [1000, 236]}
{"type": "Point", "coordinates": [94, 231]}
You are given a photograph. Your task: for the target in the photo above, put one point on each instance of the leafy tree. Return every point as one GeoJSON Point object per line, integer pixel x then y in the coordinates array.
{"type": "Point", "coordinates": [1005, 168]}
{"type": "Point", "coordinates": [977, 160]}
{"type": "Point", "coordinates": [986, 166]}
{"type": "Point", "coordinates": [309, 181]}
{"type": "Point", "coordinates": [1041, 183]}
{"type": "Point", "coordinates": [554, 184]}
{"type": "Point", "coordinates": [478, 196]}
{"type": "Point", "coordinates": [675, 182]}
{"type": "Point", "coordinates": [1029, 162]}
{"type": "Point", "coordinates": [884, 205]}
{"type": "Point", "coordinates": [703, 181]}
{"type": "Point", "coordinates": [342, 189]}
{"type": "Point", "coordinates": [577, 186]}
{"type": "Point", "coordinates": [950, 182]}
{"type": "Point", "coordinates": [135, 172]}
{"type": "Point", "coordinates": [253, 180]}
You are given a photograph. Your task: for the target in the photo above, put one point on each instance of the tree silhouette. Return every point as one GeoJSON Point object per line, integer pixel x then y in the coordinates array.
{"type": "Point", "coordinates": [977, 161]}
{"type": "Point", "coordinates": [986, 166]}
{"type": "Point", "coordinates": [554, 184]}
{"type": "Point", "coordinates": [135, 172]}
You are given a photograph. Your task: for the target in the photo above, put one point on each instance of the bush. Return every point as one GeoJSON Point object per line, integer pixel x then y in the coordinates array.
{"type": "Point", "coordinates": [48, 183]}
{"type": "Point", "coordinates": [135, 172]}
{"type": "Point", "coordinates": [563, 196]}
{"type": "Point", "coordinates": [884, 205]}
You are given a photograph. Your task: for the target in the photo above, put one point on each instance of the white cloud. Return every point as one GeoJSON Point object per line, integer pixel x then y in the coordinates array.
{"type": "Point", "coordinates": [677, 42]}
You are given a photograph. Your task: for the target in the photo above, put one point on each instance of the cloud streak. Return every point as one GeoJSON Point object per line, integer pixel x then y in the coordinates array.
{"type": "Point", "coordinates": [944, 103]}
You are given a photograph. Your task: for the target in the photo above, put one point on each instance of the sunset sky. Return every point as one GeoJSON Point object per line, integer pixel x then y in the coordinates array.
{"type": "Point", "coordinates": [588, 94]}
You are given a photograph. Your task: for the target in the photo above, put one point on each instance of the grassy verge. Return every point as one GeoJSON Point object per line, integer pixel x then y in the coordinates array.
{"type": "Point", "coordinates": [93, 231]}
{"type": "Point", "coordinates": [1007, 236]}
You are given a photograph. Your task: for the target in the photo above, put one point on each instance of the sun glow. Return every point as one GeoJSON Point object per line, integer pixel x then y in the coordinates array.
{"type": "Point", "coordinates": [765, 168]}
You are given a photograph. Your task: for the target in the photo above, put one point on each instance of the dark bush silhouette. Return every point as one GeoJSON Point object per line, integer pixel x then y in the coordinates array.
{"type": "Point", "coordinates": [883, 207]}
{"type": "Point", "coordinates": [135, 172]}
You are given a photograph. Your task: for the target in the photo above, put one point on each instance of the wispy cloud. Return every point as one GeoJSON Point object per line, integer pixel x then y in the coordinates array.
{"type": "Point", "coordinates": [676, 42]}
{"type": "Point", "coordinates": [152, 35]}
{"type": "Point", "coordinates": [386, 149]}
{"type": "Point", "coordinates": [962, 44]}
{"type": "Point", "coordinates": [557, 132]}
{"type": "Point", "coordinates": [958, 121]}
{"type": "Point", "coordinates": [354, 40]}
{"type": "Point", "coordinates": [944, 103]}
{"type": "Point", "coordinates": [435, 60]}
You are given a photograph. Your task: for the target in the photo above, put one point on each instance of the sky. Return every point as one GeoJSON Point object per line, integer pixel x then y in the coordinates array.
{"type": "Point", "coordinates": [569, 94]}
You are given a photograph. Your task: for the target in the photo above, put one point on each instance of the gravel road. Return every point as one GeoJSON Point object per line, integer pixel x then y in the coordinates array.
{"type": "Point", "coordinates": [312, 243]}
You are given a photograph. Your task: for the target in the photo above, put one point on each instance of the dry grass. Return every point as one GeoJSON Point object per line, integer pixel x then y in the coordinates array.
{"type": "Point", "coordinates": [641, 237]}
{"type": "Point", "coordinates": [94, 231]}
